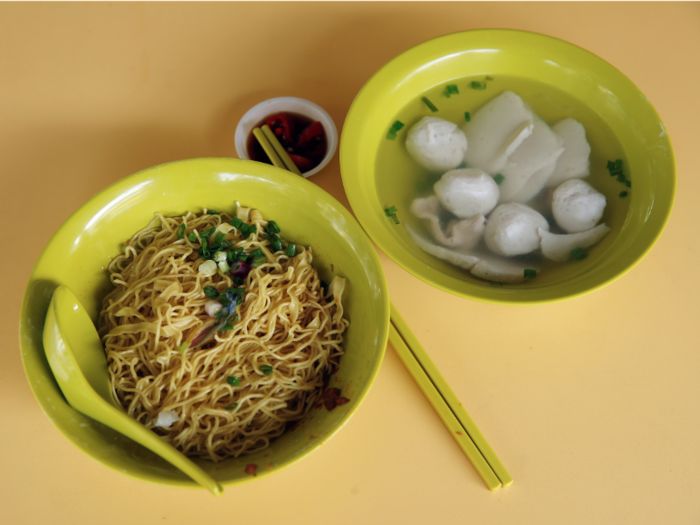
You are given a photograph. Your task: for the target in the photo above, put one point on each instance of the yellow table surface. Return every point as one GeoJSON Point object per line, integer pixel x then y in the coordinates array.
{"type": "Point", "coordinates": [592, 404]}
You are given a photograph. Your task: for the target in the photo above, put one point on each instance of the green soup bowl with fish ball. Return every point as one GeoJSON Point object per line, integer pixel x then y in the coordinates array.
{"type": "Point", "coordinates": [79, 252]}
{"type": "Point", "coordinates": [558, 80]}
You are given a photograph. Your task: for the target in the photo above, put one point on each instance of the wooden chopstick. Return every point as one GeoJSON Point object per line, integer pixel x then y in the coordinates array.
{"type": "Point", "coordinates": [447, 405]}
{"type": "Point", "coordinates": [279, 149]}
{"type": "Point", "coordinates": [269, 150]}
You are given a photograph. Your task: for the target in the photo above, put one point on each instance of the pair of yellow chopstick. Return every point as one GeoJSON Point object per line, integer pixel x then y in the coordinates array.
{"type": "Point", "coordinates": [274, 150]}
{"type": "Point", "coordinates": [447, 405]}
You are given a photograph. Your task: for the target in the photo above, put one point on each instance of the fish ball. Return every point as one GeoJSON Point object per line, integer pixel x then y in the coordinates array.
{"type": "Point", "coordinates": [512, 229]}
{"type": "Point", "coordinates": [436, 144]}
{"type": "Point", "coordinates": [467, 192]}
{"type": "Point", "coordinates": [577, 206]}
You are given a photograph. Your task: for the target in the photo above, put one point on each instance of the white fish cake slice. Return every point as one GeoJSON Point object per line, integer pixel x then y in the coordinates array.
{"type": "Point", "coordinates": [463, 260]}
{"type": "Point", "coordinates": [557, 247]}
{"type": "Point", "coordinates": [500, 271]}
{"type": "Point", "coordinates": [459, 234]}
{"type": "Point", "coordinates": [496, 130]}
{"type": "Point", "coordinates": [540, 149]}
{"type": "Point", "coordinates": [574, 163]}
{"type": "Point", "coordinates": [535, 185]}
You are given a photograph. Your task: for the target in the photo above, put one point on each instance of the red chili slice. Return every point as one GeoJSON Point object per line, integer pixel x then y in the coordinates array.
{"type": "Point", "coordinates": [301, 162]}
{"type": "Point", "coordinates": [282, 126]}
{"type": "Point", "coordinates": [314, 130]}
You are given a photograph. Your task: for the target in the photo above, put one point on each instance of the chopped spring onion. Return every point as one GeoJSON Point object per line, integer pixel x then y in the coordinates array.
{"type": "Point", "coordinates": [232, 406]}
{"type": "Point", "coordinates": [223, 266]}
{"type": "Point", "coordinates": [390, 211]}
{"type": "Point", "coordinates": [395, 218]}
{"type": "Point", "coordinates": [452, 90]}
{"type": "Point", "coordinates": [274, 241]}
{"type": "Point", "coordinates": [618, 163]}
{"type": "Point", "coordinates": [244, 229]}
{"type": "Point", "coordinates": [212, 308]}
{"type": "Point", "coordinates": [623, 194]}
{"type": "Point", "coordinates": [256, 253]}
{"type": "Point", "coordinates": [207, 268]}
{"type": "Point", "coordinates": [498, 179]}
{"type": "Point", "coordinates": [478, 85]}
{"type": "Point", "coordinates": [272, 227]}
{"type": "Point", "coordinates": [219, 238]}
{"type": "Point", "coordinates": [396, 126]}
{"type": "Point", "coordinates": [211, 292]}
{"type": "Point", "coordinates": [192, 237]}
{"type": "Point", "coordinates": [180, 231]}
{"type": "Point", "coordinates": [220, 257]}
{"type": "Point", "coordinates": [266, 369]}
{"type": "Point", "coordinates": [467, 116]}
{"type": "Point", "coordinates": [291, 250]}
{"type": "Point", "coordinates": [208, 233]}
{"type": "Point", "coordinates": [579, 254]}
{"type": "Point", "coordinates": [391, 135]}
{"type": "Point", "coordinates": [183, 347]}
{"type": "Point", "coordinates": [233, 380]}
{"type": "Point", "coordinates": [213, 212]}
{"type": "Point", "coordinates": [251, 229]}
{"type": "Point", "coordinates": [429, 104]}
{"type": "Point", "coordinates": [258, 261]}
{"type": "Point", "coordinates": [236, 222]}
{"type": "Point", "coordinates": [240, 292]}
{"type": "Point", "coordinates": [529, 273]}
{"type": "Point", "coordinates": [610, 165]}
{"type": "Point", "coordinates": [229, 323]}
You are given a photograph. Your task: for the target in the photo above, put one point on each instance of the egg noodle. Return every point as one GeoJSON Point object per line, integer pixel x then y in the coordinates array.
{"type": "Point", "coordinates": [239, 390]}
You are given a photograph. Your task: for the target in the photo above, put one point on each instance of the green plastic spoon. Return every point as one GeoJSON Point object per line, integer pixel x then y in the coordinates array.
{"type": "Point", "coordinates": [78, 362]}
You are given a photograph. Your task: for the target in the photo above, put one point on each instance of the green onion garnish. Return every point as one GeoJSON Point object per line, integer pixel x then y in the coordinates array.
{"type": "Point", "coordinates": [251, 229]}
{"type": "Point", "coordinates": [623, 194]}
{"type": "Point", "coordinates": [213, 212]}
{"type": "Point", "coordinates": [236, 222]}
{"type": "Point", "coordinates": [236, 291]}
{"type": "Point", "coordinates": [229, 324]}
{"type": "Point", "coordinates": [256, 253]}
{"type": "Point", "coordinates": [611, 165]}
{"type": "Point", "coordinates": [225, 301]}
{"type": "Point", "coordinates": [498, 179]}
{"type": "Point", "coordinates": [429, 104]}
{"type": "Point", "coordinates": [238, 281]}
{"type": "Point", "coordinates": [211, 292]}
{"type": "Point", "coordinates": [395, 218]}
{"type": "Point", "coordinates": [391, 135]}
{"type": "Point", "coordinates": [390, 211]}
{"type": "Point", "coordinates": [243, 228]}
{"type": "Point", "coordinates": [266, 369]}
{"type": "Point", "coordinates": [258, 261]}
{"type": "Point", "coordinates": [579, 254]}
{"type": "Point", "coordinates": [218, 314]}
{"type": "Point", "coordinates": [628, 184]}
{"type": "Point", "coordinates": [192, 237]}
{"type": "Point", "coordinates": [272, 227]}
{"type": "Point", "coordinates": [478, 85]}
{"type": "Point", "coordinates": [467, 116]}
{"type": "Point", "coordinates": [274, 242]}
{"type": "Point", "coordinates": [621, 178]}
{"type": "Point", "coordinates": [618, 163]}
{"type": "Point", "coordinates": [529, 273]}
{"type": "Point", "coordinates": [291, 250]}
{"type": "Point", "coordinates": [183, 347]}
{"type": "Point", "coordinates": [452, 89]}
{"type": "Point", "coordinates": [396, 126]}
{"type": "Point", "coordinates": [233, 381]}
{"type": "Point", "coordinates": [219, 238]}
{"type": "Point", "coordinates": [232, 406]}
{"type": "Point", "coordinates": [180, 231]}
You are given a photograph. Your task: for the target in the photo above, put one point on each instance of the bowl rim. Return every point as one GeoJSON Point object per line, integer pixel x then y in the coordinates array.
{"type": "Point", "coordinates": [31, 348]}
{"type": "Point", "coordinates": [357, 196]}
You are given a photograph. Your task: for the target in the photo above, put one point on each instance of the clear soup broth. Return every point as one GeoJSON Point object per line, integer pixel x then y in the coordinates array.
{"type": "Point", "coordinates": [551, 105]}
